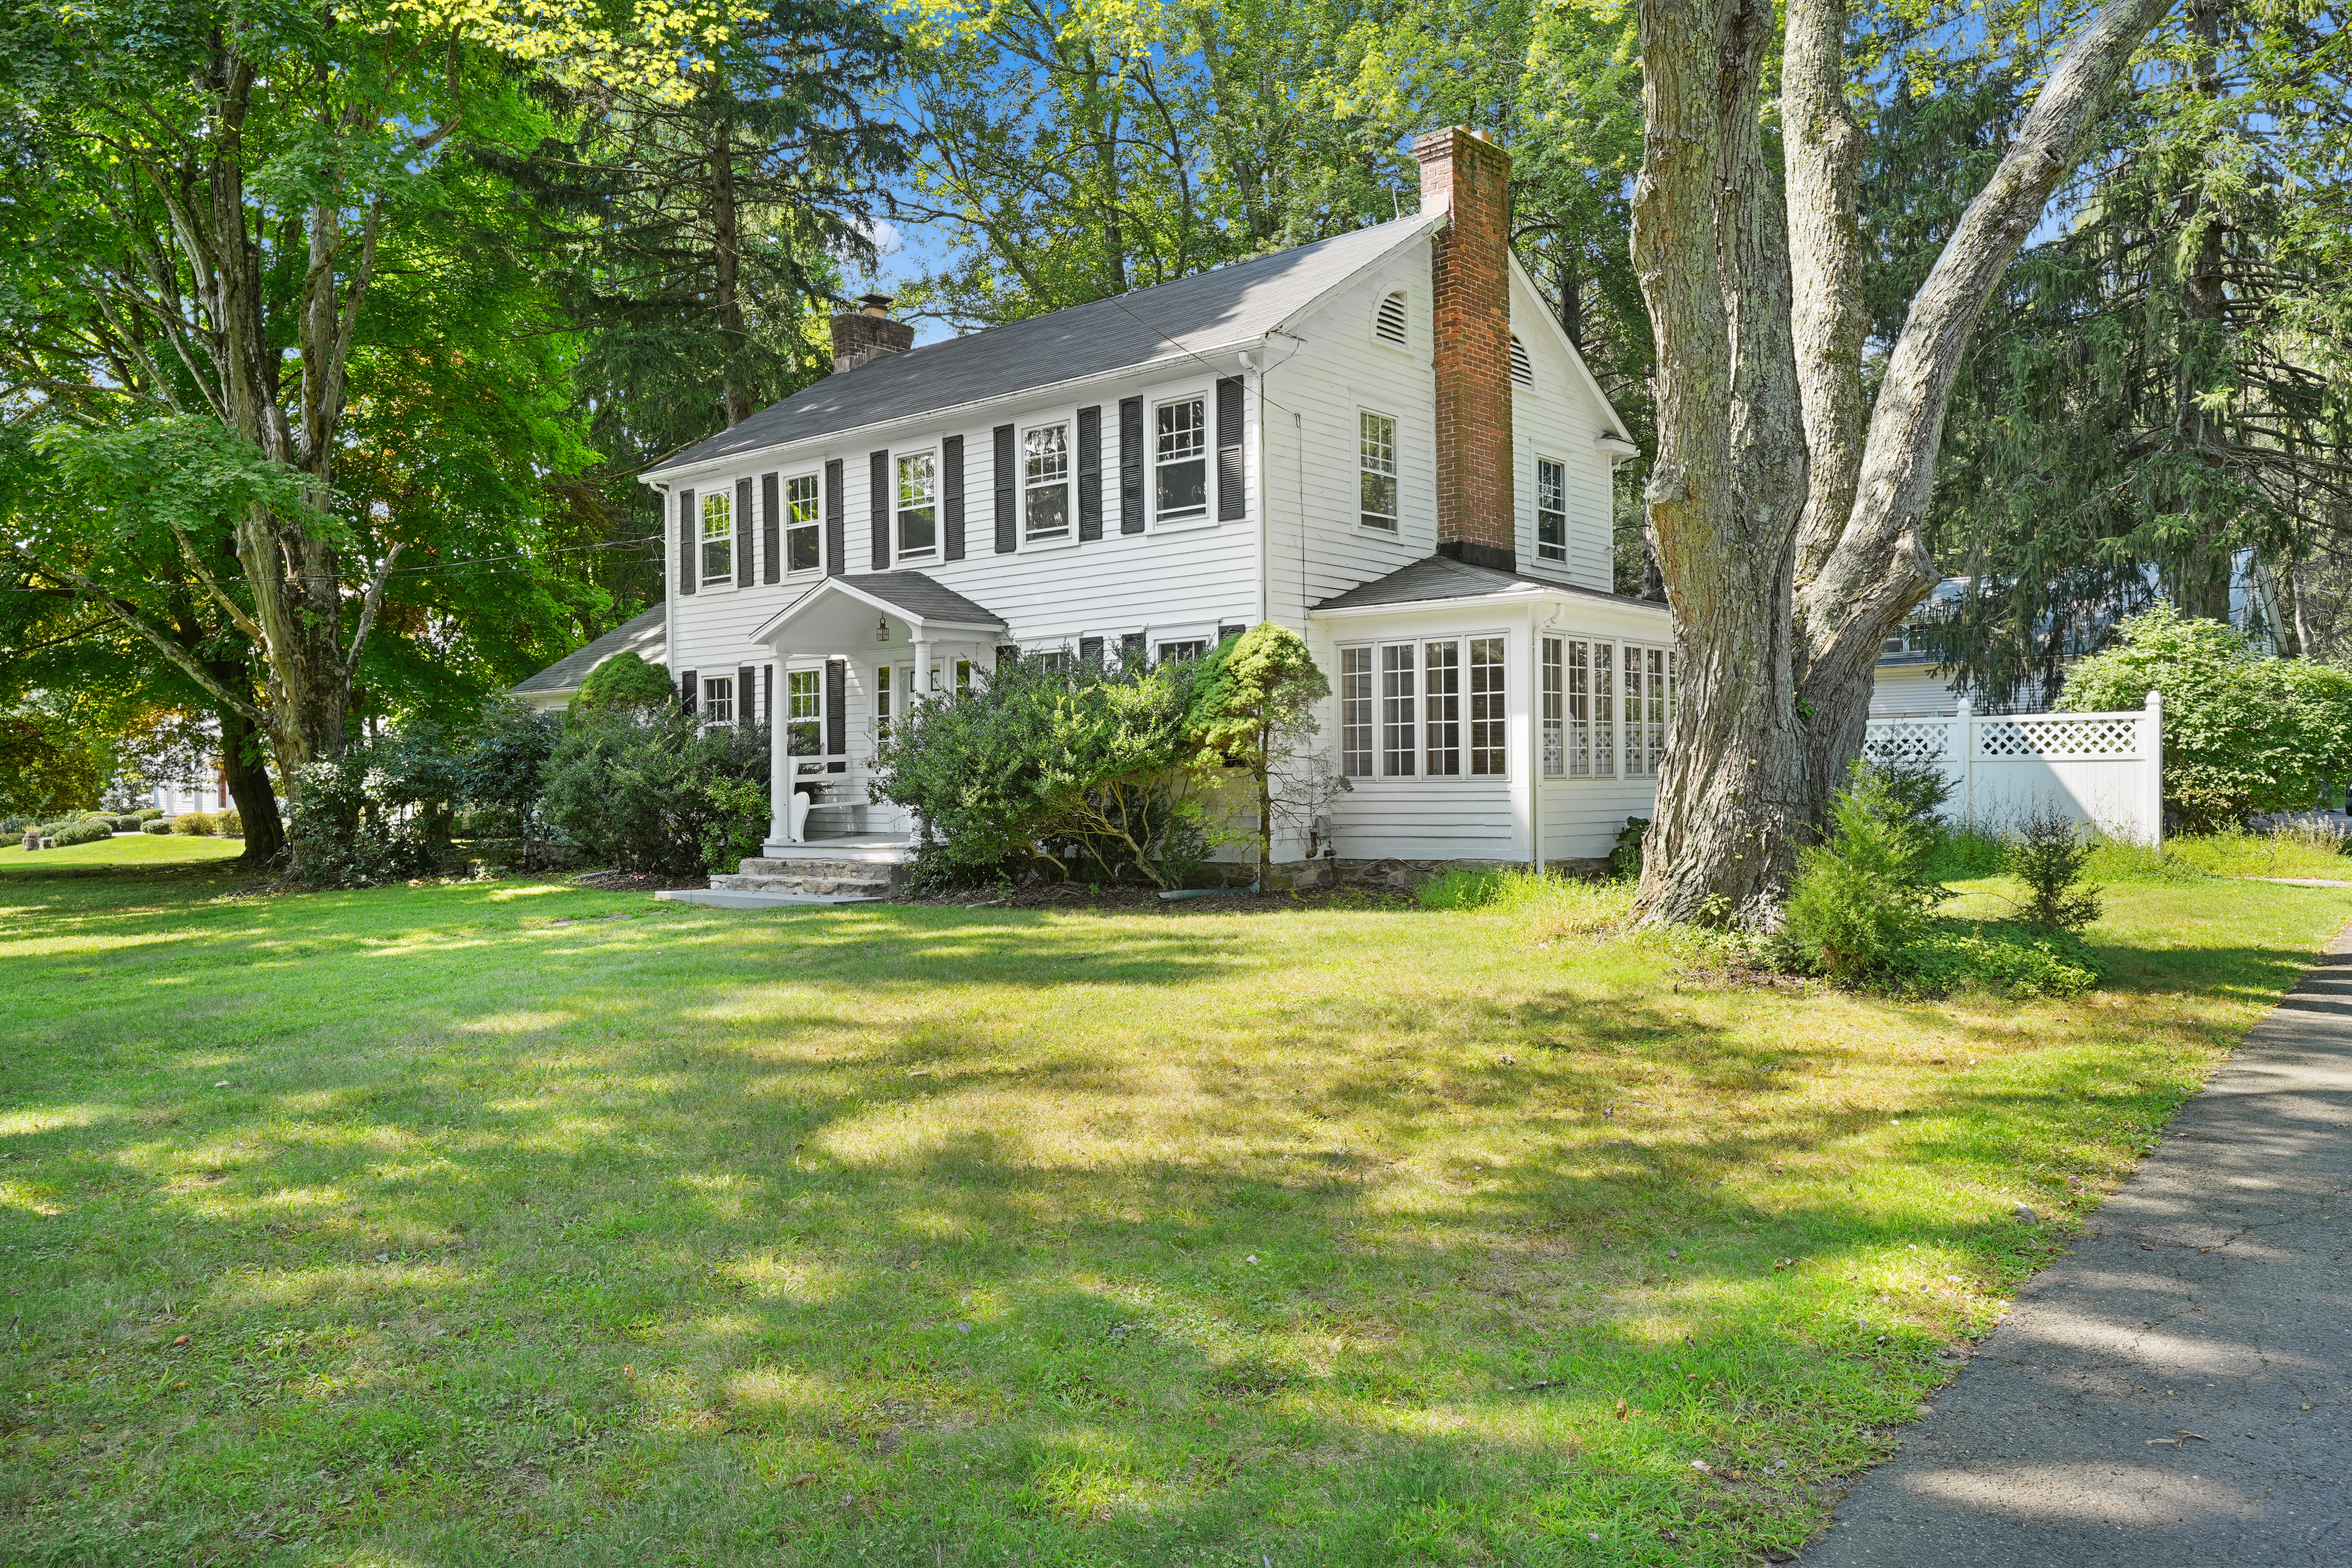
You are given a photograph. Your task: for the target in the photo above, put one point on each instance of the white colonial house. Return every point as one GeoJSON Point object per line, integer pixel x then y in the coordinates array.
{"type": "Point", "coordinates": [1383, 441]}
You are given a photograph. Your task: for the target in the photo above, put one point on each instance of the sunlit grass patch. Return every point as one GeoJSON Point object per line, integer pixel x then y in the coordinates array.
{"type": "Point", "coordinates": [1378, 1236]}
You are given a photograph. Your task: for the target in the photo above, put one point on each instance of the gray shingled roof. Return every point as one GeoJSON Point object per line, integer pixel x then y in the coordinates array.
{"type": "Point", "coordinates": [645, 636]}
{"type": "Point", "coordinates": [912, 593]}
{"type": "Point", "coordinates": [1443, 577]}
{"type": "Point", "coordinates": [1234, 304]}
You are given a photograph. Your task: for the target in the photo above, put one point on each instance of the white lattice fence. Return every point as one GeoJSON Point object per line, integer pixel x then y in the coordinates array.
{"type": "Point", "coordinates": [2106, 769]}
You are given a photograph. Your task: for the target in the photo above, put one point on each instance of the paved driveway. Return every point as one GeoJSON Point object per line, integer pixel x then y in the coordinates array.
{"type": "Point", "coordinates": [2178, 1390]}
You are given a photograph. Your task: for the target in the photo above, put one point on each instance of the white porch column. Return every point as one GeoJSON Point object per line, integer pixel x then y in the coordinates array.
{"type": "Point", "coordinates": [2151, 748]}
{"type": "Point", "coordinates": [780, 765]}
{"type": "Point", "coordinates": [920, 692]}
{"type": "Point", "coordinates": [1964, 753]}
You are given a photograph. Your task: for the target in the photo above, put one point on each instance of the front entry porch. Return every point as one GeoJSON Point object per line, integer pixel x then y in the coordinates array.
{"type": "Point", "coordinates": [853, 654]}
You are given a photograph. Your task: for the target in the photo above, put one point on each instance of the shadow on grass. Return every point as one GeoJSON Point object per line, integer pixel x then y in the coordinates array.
{"type": "Point", "coordinates": [556, 1231]}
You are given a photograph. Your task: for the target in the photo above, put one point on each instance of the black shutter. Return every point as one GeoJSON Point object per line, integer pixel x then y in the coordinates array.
{"type": "Point", "coordinates": [686, 571]}
{"type": "Point", "coordinates": [743, 563]}
{"type": "Point", "coordinates": [837, 722]}
{"type": "Point", "coordinates": [747, 687]}
{"type": "Point", "coordinates": [836, 528]}
{"type": "Point", "coordinates": [1090, 650]}
{"type": "Point", "coordinates": [951, 493]}
{"type": "Point", "coordinates": [1090, 472]}
{"type": "Point", "coordinates": [877, 483]}
{"type": "Point", "coordinates": [1230, 501]}
{"type": "Point", "coordinates": [687, 689]}
{"type": "Point", "coordinates": [1130, 465]}
{"type": "Point", "coordinates": [1007, 536]}
{"type": "Point", "coordinates": [767, 693]}
{"type": "Point", "coordinates": [770, 529]}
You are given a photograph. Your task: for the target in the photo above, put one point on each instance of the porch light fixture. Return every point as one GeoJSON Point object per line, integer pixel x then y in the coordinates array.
{"type": "Point", "coordinates": [882, 628]}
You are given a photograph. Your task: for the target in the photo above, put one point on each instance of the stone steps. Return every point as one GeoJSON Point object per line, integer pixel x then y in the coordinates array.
{"type": "Point", "coordinates": [814, 878]}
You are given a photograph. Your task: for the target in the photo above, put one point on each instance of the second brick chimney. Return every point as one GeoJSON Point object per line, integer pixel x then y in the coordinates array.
{"type": "Point", "coordinates": [869, 334]}
{"type": "Point", "coordinates": [1469, 178]}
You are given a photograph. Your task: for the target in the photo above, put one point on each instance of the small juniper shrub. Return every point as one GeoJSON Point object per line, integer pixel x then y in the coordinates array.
{"type": "Point", "coordinates": [1863, 909]}
{"type": "Point", "coordinates": [2049, 857]}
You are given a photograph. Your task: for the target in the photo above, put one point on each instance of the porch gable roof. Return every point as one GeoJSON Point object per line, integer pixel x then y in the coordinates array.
{"type": "Point", "coordinates": [1436, 577]}
{"type": "Point", "coordinates": [922, 602]}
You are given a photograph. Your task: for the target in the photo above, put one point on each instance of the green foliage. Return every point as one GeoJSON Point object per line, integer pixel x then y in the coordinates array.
{"type": "Point", "coordinates": [195, 825]}
{"type": "Point", "coordinates": [623, 683]}
{"type": "Point", "coordinates": [634, 793]}
{"type": "Point", "coordinates": [1966, 851]}
{"type": "Point", "coordinates": [47, 760]}
{"type": "Point", "coordinates": [1859, 899]}
{"type": "Point", "coordinates": [1625, 851]}
{"type": "Point", "coordinates": [129, 824]}
{"type": "Point", "coordinates": [87, 830]}
{"type": "Point", "coordinates": [2049, 857]}
{"type": "Point", "coordinates": [1079, 773]}
{"type": "Point", "coordinates": [229, 823]}
{"type": "Point", "coordinates": [739, 826]}
{"type": "Point", "coordinates": [2242, 733]}
{"type": "Point", "coordinates": [1253, 707]}
{"type": "Point", "coordinates": [2016, 964]}
{"type": "Point", "coordinates": [158, 826]}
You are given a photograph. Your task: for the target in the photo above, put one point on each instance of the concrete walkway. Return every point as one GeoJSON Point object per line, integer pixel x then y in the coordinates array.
{"type": "Point", "coordinates": [2212, 1296]}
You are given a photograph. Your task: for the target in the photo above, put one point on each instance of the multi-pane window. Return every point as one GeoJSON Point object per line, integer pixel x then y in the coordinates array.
{"type": "Point", "coordinates": [918, 504]}
{"type": "Point", "coordinates": [718, 536]}
{"type": "Point", "coordinates": [1588, 706]}
{"type": "Point", "coordinates": [1551, 509]}
{"type": "Point", "coordinates": [1355, 712]}
{"type": "Point", "coordinates": [805, 713]}
{"type": "Point", "coordinates": [1045, 481]}
{"type": "Point", "coordinates": [1554, 717]}
{"type": "Point", "coordinates": [800, 524]}
{"type": "Point", "coordinates": [718, 700]}
{"type": "Point", "coordinates": [1398, 710]}
{"type": "Point", "coordinates": [1649, 705]}
{"type": "Point", "coordinates": [885, 696]}
{"type": "Point", "coordinates": [1191, 648]}
{"type": "Point", "coordinates": [1441, 705]}
{"type": "Point", "coordinates": [1376, 470]}
{"type": "Point", "coordinates": [1487, 719]}
{"type": "Point", "coordinates": [1180, 461]}
{"type": "Point", "coordinates": [963, 678]}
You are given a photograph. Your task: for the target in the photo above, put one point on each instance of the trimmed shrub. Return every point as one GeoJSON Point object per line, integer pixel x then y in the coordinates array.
{"type": "Point", "coordinates": [624, 684]}
{"type": "Point", "coordinates": [2242, 733]}
{"type": "Point", "coordinates": [1069, 774]}
{"type": "Point", "coordinates": [148, 813]}
{"type": "Point", "coordinates": [229, 823]}
{"type": "Point", "coordinates": [158, 826]}
{"type": "Point", "coordinates": [88, 830]}
{"type": "Point", "coordinates": [195, 825]}
{"type": "Point", "coordinates": [633, 791]}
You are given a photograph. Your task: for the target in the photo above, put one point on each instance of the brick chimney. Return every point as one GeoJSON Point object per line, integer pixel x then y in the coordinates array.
{"type": "Point", "coordinates": [869, 334]}
{"type": "Point", "coordinates": [1469, 178]}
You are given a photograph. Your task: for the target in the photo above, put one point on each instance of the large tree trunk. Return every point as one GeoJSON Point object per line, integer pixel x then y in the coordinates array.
{"type": "Point", "coordinates": [1863, 570]}
{"type": "Point", "coordinates": [1710, 244]}
{"type": "Point", "coordinates": [248, 786]}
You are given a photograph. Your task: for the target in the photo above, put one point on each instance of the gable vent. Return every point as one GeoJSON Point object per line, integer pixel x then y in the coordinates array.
{"type": "Point", "coordinates": [1521, 370]}
{"type": "Point", "coordinates": [1389, 324]}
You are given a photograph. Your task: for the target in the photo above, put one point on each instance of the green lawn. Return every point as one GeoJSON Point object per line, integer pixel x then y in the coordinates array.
{"type": "Point", "coordinates": [146, 852]}
{"type": "Point", "coordinates": [507, 1223]}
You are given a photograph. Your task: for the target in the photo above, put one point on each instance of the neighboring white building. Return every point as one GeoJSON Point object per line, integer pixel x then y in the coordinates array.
{"type": "Point", "coordinates": [1382, 440]}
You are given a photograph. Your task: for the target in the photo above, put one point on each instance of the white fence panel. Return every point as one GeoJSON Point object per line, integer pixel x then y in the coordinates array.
{"type": "Point", "coordinates": [2105, 769]}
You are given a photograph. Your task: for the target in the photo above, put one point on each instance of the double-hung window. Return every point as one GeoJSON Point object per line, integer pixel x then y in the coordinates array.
{"type": "Point", "coordinates": [884, 694]}
{"type": "Point", "coordinates": [1649, 701]}
{"type": "Point", "coordinates": [1355, 712]}
{"type": "Point", "coordinates": [1376, 470]}
{"type": "Point", "coordinates": [805, 713]}
{"type": "Point", "coordinates": [918, 504]}
{"type": "Point", "coordinates": [717, 537]}
{"type": "Point", "coordinates": [1551, 509]}
{"type": "Point", "coordinates": [1045, 481]}
{"type": "Point", "coordinates": [1398, 710]}
{"type": "Point", "coordinates": [800, 524]}
{"type": "Point", "coordinates": [1488, 722]}
{"type": "Point", "coordinates": [1191, 648]}
{"type": "Point", "coordinates": [1180, 459]}
{"type": "Point", "coordinates": [718, 700]}
{"type": "Point", "coordinates": [1441, 703]}
{"type": "Point", "coordinates": [1555, 707]}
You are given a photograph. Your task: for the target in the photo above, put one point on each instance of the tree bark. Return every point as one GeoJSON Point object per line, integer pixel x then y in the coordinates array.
{"type": "Point", "coordinates": [727, 251]}
{"type": "Point", "coordinates": [1710, 245]}
{"type": "Point", "coordinates": [248, 786]}
{"type": "Point", "coordinates": [1863, 571]}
